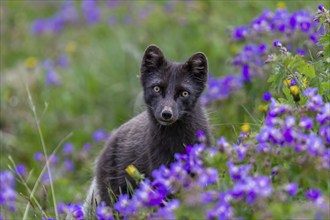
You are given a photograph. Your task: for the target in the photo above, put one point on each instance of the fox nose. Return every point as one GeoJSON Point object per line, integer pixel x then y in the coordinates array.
{"type": "Point", "coordinates": [167, 114]}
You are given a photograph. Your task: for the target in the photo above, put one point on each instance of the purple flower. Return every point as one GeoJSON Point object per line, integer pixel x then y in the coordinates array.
{"type": "Point", "coordinates": [238, 172]}
{"type": "Point", "coordinates": [100, 135]}
{"type": "Point", "coordinates": [207, 177]}
{"type": "Point", "coordinates": [240, 32]}
{"type": "Point", "coordinates": [68, 12]}
{"type": "Point", "coordinates": [222, 88]}
{"type": "Point", "coordinates": [291, 188]}
{"type": "Point", "coordinates": [314, 102]}
{"type": "Point", "coordinates": [76, 211]}
{"type": "Point", "coordinates": [52, 78]}
{"type": "Point", "coordinates": [21, 170]}
{"type": "Point", "coordinates": [313, 194]}
{"type": "Point", "coordinates": [39, 26]}
{"type": "Point", "coordinates": [201, 136]}
{"type": "Point", "coordinates": [306, 123]}
{"type": "Point", "coordinates": [222, 210]}
{"type": "Point", "coordinates": [315, 145]}
{"type": "Point", "coordinates": [301, 52]}
{"type": "Point", "coordinates": [87, 146]}
{"type": "Point", "coordinates": [91, 11]}
{"type": "Point", "coordinates": [267, 96]}
{"type": "Point", "coordinates": [246, 73]}
{"type": "Point", "coordinates": [62, 208]}
{"type": "Point", "coordinates": [323, 117]}
{"type": "Point", "coordinates": [8, 197]}
{"type": "Point", "coordinates": [38, 156]}
{"type": "Point", "coordinates": [104, 212]}
{"type": "Point", "coordinates": [69, 165]}
{"type": "Point", "coordinates": [53, 159]}
{"type": "Point", "coordinates": [321, 7]}
{"type": "Point", "coordinates": [7, 179]}
{"type": "Point", "coordinates": [62, 61]}
{"type": "Point", "coordinates": [263, 185]}
{"type": "Point", "coordinates": [305, 26]}
{"type": "Point", "coordinates": [68, 148]}
{"type": "Point", "coordinates": [122, 204]}
{"type": "Point", "coordinates": [277, 43]}
{"type": "Point", "coordinates": [166, 212]}
{"type": "Point", "coordinates": [113, 3]}
{"type": "Point", "coordinates": [325, 133]}
{"type": "Point", "coordinates": [241, 151]}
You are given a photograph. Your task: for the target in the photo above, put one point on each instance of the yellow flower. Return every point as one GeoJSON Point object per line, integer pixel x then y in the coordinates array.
{"type": "Point", "coordinates": [294, 90]}
{"type": "Point", "coordinates": [287, 82]}
{"type": "Point", "coordinates": [245, 127]}
{"type": "Point", "coordinates": [133, 172]}
{"type": "Point", "coordinates": [263, 108]}
{"type": "Point", "coordinates": [281, 5]}
{"type": "Point", "coordinates": [71, 47]}
{"type": "Point", "coordinates": [31, 62]}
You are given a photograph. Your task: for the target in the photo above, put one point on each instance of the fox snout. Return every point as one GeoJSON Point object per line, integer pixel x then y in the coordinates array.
{"type": "Point", "coordinates": [167, 115]}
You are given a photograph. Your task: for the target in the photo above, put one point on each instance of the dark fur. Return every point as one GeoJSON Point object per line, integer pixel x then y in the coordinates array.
{"type": "Point", "coordinates": [143, 141]}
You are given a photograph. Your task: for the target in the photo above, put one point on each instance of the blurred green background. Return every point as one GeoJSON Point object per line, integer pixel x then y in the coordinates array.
{"type": "Point", "coordinates": [99, 85]}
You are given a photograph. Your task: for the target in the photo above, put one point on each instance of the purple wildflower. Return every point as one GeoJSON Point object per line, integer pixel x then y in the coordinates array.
{"type": "Point", "coordinates": [201, 136]}
{"type": "Point", "coordinates": [238, 172]}
{"type": "Point", "coordinates": [91, 11]}
{"type": "Point", "coordinates": [240, 32]}
{"type": "Point", "coordinates": [291, 188]}
{"type": "Point", "coordinates": [68, 148]}
{"type": "Point", "coordinates": [314, 102]}
{"type": "Point", "coordinates": [222, 210]}
{"type": "Point", "coordinates": [207, 177]}
{"type": "Point", "coordinates": [313, 194]}
{"type": "Point", "coordinates": [38, 156]}
{"type": "Point", "coordinates": [267, 96]}
{"type": "Point", "coordinates": [21, 170]}
{"type": "Point", "coordinates": [122, 204]}
{"type": "Point", "coordinates": [76, 211]}
{"type": "Point", "coordinates": [321, 7]}
{"type": "Point", "coordinates": [166, 212]}
{"type": "Point", "coordinates": [306, 123]}
{"type": "Point", "coordinates": [62, 61]}
{"type": "Point", "coordinates": [62, 208]}
{"type": "Point", "coordinates": [323, 117]}
{"type": "Point", "coordinates": [104, 212]}
{"type": "Point", "coordinates": [277, 43]}
{"type": "Point", "coordinates": [315, 145]}
{"type": "Point", "coordinates": [52, 78]}
{"type": "Point", "coordinates": [325, 133]}
{"type": "Point", "coordinates": [8, 195]}
{"type": "Point", "coordinates": [100, 135]}
{"type": "Point", "coordinates": [87, 146]}
{"type": "Point", "coordinates": [69, 165]}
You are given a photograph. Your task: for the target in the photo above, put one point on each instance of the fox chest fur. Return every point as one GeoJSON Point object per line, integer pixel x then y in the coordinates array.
{"type": "Point", "coordinates": [170, 122]}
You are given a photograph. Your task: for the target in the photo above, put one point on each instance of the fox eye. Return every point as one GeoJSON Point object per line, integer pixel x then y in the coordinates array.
{"type": "Point", "coordinates": [184, 94]}
{"type": "Point", "coordinates": [156, 89]}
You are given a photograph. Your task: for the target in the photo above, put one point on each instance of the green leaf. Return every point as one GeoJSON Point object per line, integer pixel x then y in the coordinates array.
{"type": "Point", "coordinates": [273, 78]}
{"type": "Point", "coordinates": [324, 40]}
{"type": "Point", "coordinates": [308, 70]}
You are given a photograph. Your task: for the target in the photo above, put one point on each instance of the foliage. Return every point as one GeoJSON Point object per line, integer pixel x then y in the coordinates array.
{"type": "Point", "coordinates": [71, 63]}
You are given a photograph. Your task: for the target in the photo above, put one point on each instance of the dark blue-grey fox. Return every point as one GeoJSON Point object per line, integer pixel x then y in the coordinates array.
{"type": "Point", "coordinates": [172, 118]}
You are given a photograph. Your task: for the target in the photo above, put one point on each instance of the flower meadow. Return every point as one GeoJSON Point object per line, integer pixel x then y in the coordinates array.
{"type": "Point", "coordinates": [68, 79]}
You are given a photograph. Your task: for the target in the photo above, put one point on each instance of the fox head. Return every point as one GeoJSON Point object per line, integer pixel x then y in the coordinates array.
{"type": "Point", "coordinates": [171, 90]}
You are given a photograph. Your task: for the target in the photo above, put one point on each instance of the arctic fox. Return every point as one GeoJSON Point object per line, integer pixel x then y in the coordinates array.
{"type": "Point", "coordinates": [170, 122]}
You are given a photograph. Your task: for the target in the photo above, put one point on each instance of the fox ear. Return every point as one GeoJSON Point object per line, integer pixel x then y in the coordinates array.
{"type": "Point", "coordinates": [197, 67]}
{"type": "Point", "coordinates": [153, 58]}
